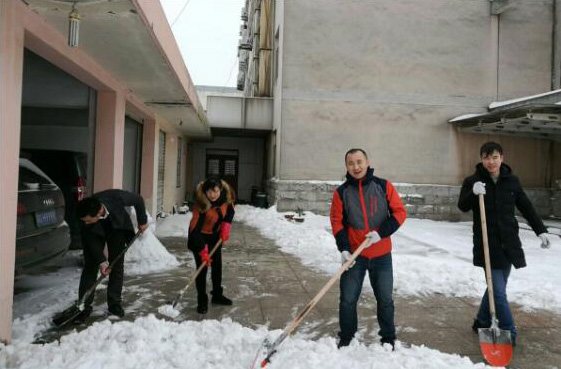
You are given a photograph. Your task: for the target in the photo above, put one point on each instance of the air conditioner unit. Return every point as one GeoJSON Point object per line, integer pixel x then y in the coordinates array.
{"type": "Point", "coordinates": [245, 43]}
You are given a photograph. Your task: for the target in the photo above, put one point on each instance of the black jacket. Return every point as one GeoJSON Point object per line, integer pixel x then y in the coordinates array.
{"type": "Point", "coordinates": [502, 227]}
{"type": "Point", "coordinates": [116, 202]}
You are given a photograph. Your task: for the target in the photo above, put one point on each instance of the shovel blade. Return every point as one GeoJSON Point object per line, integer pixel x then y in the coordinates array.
{"type": "Point", "coordinates": [496, 346]}
{"type": "Point", "coordinates": [66, 316]}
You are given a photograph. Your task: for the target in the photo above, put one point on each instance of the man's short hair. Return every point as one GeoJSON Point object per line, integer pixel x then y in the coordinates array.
{"type": "Point", "coordinates": [489, 147]}
{"type": "Point", "coordinates": [352, 151]}
{"type": "Point", "coordinates": [88, 207]}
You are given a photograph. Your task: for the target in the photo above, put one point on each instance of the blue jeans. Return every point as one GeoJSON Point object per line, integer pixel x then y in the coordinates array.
{"type": "Point", "coordinates": [380, 272]}
{"type": "Point", "coordinates": [502, 307]}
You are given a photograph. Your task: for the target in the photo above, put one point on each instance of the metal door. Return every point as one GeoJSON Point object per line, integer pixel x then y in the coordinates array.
{"type": "Point", "coordinates": [224, 164]}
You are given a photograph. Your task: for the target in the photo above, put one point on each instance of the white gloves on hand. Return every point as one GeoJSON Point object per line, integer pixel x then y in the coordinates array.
{"type": "Point", "coordinates": [373, 237]}
{"type": "Point", "coordinates": [345, 256]}
{"type": "Point", "coordinates": [479, 188]}
{"type": "Point", "coordinates": [546, 244]}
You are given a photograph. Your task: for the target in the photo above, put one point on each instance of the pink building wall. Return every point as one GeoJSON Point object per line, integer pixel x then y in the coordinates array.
{"type": "Point", "coordinates": [19, 28]}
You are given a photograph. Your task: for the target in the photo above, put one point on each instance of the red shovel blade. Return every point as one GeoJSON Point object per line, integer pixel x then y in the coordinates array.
{"type": "Point", "coordinates": [496, 346]}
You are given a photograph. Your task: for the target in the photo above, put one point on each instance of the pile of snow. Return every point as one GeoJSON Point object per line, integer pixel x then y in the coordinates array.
{"type": "Point", "coordinates": [149, 342]}
{"type": "Point", "coordinates": [51, 293]}
{"type": "Point", "coordinates": [429, 257]}
{"type": "Point", "coordinates": [148, 255]}
{"type": "Point", "coordinates": [176, 225]}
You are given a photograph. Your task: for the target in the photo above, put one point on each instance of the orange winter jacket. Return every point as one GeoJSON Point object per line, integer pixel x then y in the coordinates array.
{"type": "Point", "coordinates": [361, 206]}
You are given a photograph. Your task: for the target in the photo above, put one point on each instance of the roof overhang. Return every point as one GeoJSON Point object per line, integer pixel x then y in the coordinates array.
{"type": "Point", "coordinates": [132, 40]}
{"type": "Point", "coordinates": [537, 116]}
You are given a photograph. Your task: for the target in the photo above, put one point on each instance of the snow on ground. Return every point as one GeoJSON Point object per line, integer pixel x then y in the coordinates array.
{"type": "Point", "coordinates": [50, 293]}
{"type": "Point", "coordinates": [149, 342]}
{"type": "Point", "coordinates": [46, 295]}
{"type": "Point", "coordinates": [148, 255]}
{"type": "Point", "coordinates": [429, 256]}
{"type": "Point", "coordinates": [176, 225]}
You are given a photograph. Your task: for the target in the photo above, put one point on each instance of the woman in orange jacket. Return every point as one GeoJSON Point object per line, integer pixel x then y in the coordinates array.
{"type": "Point", "coordinates": [212, 218]}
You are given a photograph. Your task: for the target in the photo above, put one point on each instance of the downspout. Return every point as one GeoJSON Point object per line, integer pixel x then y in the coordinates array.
{"type": "Point", "coordinates": [495, 41]}
{"type": "Point", "coordinates": [554, 57]}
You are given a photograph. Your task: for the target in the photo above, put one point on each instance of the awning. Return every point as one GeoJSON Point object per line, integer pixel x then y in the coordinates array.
{"type": "Point", "coordinates": [536, 116]}
{"type": "Point", "coordinates": [132, 40]}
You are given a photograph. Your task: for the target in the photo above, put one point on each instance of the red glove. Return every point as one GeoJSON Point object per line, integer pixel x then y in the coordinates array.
{"type": "Point", "coordinates": [225, 231]}
{"type": "Point", "coordinates": [204, 256]}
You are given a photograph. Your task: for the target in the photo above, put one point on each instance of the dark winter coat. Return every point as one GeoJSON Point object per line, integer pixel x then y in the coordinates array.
{"type": "Point", "coordinates": [502, 227]}
{"type": "Point", "coordinates": [208, 217]}
{"type": "Point", "coordinates": [116, 202]}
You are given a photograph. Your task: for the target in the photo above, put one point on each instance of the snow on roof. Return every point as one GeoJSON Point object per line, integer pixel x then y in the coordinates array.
{"type": "Point", "coordinates": [497, 104]}
{"type": "Point", "coordinates": [465, 116]}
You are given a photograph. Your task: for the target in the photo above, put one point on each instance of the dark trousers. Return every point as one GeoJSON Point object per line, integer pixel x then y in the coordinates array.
{"type": "Point", "coordinates": [92, 242]}
{"type": "Point", "coordinates": [380, 272]}
{"type": "Point", "coordinates": [215, 272]}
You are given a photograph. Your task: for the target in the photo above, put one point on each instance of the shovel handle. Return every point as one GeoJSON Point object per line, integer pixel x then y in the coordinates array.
{"type": "Point", "coordinates": [488, 276]}
{"type": "Point", "coordinates": [197, 272]}
{"type": "Point", "coordinates": [102, 277]}
{"type": "Point", "coordinates": [296, 322]}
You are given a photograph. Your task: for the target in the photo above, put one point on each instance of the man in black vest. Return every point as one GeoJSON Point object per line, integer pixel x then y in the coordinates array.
{"type": "Point", "coordinates": [106, 221]}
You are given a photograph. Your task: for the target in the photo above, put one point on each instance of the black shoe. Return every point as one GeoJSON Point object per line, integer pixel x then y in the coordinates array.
{"type": "Point", "coordinates": [202, 308]}
{"type": "Point", "coordinates": [117, 310]}
{"type": "Point", "coordinates": [476, 325]}
{"type": "Point", "coordinates": [344, 342]}
{"type": "Point", "coordinates": [81, 318]}
{"type": "Point", "coordinates": [221, 300]}
{"type": "Point", "coordinates": [390, 341]}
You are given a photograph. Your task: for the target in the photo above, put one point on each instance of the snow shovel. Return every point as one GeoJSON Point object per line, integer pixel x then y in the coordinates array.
{"type": "Point", "coordinates": [72, 312]}
{"type": "Point", "coordinates": [495, 343]}
{"type": "Point", "coordinates": [268, 349]}
{"type": "Point", "coordinates": [199, 270]}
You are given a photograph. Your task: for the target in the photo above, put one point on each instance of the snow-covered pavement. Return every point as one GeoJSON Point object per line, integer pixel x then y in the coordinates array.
{"type": "Point", "coordinates": [150, 341]}
{"type": "Point", "coordinates": [429, 257]}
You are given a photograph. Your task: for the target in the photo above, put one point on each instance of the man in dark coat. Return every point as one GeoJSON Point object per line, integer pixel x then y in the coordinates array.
{"type": "Point", "coordinates": [106, 220]}
{"type": "Point", "coordinates": [503, 193]}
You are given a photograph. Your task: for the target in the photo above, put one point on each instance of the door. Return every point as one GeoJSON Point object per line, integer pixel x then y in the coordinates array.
{"type": "Point", "coordinates": [224, 164]}
{"type": "Point", "coordinates": [132, 155]}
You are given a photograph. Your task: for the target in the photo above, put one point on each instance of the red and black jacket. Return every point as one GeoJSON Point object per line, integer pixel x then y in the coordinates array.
{"type": "Point", "coordinates": [361, 206]}
{"type": "Point", "coordinates": [205, 226]}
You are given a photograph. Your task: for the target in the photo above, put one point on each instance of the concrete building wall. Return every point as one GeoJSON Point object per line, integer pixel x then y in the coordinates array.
{"type": "Point", "coordinates": [173, 195]}
{"type": "Point", "coordinates": [436, 202]}
{"type": "Point", "coordinates": [278, 62]}
{"type": "Point", "coordinates": [387, 75]}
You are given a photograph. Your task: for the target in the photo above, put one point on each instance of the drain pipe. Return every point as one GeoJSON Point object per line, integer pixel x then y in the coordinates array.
{"type": "Point", "coordinates": [554, 56]}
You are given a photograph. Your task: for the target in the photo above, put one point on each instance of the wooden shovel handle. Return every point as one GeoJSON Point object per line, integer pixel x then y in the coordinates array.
{"type": "Point", "coordinates": [488, 276]}
{"type": "Point", "coordinates": [296, 322]}
{"type": "Point", "coordinates": [197, 272]}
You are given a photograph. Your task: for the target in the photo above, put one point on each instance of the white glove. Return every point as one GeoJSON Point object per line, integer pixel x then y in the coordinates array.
{"type": "Point", "coordinates": [479, 188]}
{"type": "Point", "coordinates": [373, 237]}
{"type": "Point", "coordinates": [546, 244]}
{"type": "Point", "coordinates": [346, 256]}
